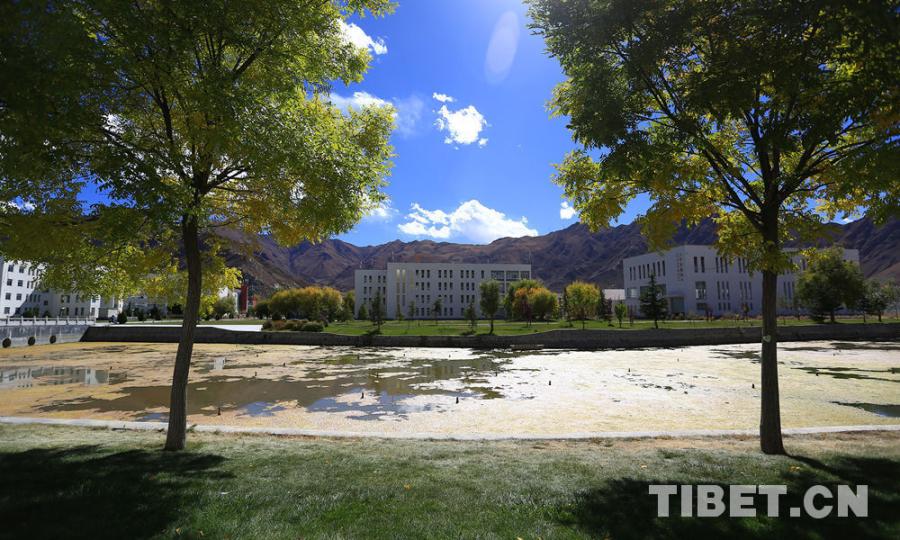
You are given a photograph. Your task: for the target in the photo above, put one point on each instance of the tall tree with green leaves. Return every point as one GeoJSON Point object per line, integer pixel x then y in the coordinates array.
{"type": "Point", "coordinates": [490, 300]}
{"type": "Point", "coordinates": [377, 310]}
{"type": "Point", "coordinates": [436, 308]}
{"type": "Point", "coordinates": [621, 312]}
{"type": "Point", "coordinates": [829, 283]}
{"type": "Point", "coordinates": [187, 116]}
{"type": "Point", "coordinates": [510, 298]}
{"type": "Point", "coordinates": [738, 110]}
{"type": "Point", "coordinates": [582, 298]}
{"type": "Point", "coordinates": [653, 302]}
{"type": "Point", "coordinates": [472, 316]}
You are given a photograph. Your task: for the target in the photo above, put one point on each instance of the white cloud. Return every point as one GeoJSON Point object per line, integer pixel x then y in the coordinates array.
{"type": "Point", "coordinates": [566, 211]}
{"type": "Point", "coordinates": [463, 126]}
{"type": "Point", "coordinates": [382, 212]}
{"type": "Point", "coordinates": [358, 37]}
{"type": "Point", "coordinates": [443, 98]}
{"type": "Point", "coordinates": [357, 100]}
{"type": "Point", "coordinates": [470, 221]}
{"type": "Point", "coordinates": [19, 205]}
{"type": "Point", "coordinates": [407, 111]}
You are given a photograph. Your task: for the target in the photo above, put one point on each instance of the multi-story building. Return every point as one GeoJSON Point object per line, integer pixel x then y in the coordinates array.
{"type": "Point", "coordinates": [20, 295]}
{"type": "Point", "coordinates": [415, 287]}
{"type": "Point", "coordinates": [697, 281]}
{"type": "Point", "coordinates": [19, 288]}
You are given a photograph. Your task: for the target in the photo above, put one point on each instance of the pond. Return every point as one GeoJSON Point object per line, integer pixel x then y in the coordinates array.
{"type": "Point", "coordinates": [456, 391]}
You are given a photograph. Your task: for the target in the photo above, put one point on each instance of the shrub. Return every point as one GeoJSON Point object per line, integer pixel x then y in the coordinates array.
{"type": "Point", "coordinates": [121, 318]}
{"type": "Point", "coordinates": [312, 326]}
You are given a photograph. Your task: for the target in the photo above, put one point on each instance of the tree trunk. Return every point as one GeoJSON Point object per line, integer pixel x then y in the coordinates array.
{"type": "Point", "coordinates": [175, 437]}
{"type": "Point", "coordinates": [770, 417]}
{"type": "Point", "coordinates": [831, 315]}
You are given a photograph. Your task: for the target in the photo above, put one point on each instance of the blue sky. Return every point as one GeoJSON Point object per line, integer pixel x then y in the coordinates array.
{"type": "Point", "coordinates": [478, 167]}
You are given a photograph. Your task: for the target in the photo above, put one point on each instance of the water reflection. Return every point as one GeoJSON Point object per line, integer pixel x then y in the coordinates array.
{"type": "Point", "coordinates": [27, 377]}
{"type": "Point", "coordinates": [369, 386]}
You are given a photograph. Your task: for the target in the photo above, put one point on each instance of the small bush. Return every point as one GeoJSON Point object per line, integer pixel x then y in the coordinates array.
{"type": "Point", "coordinates": [121, 318]}
{"type": "Point", "coordinates": [313, 326]}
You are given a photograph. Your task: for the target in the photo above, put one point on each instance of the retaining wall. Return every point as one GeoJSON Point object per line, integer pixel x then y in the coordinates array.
{"type": "Point", "coordinates": [554, 339]}
{"type": "Point", "coordinates": [41, 334]}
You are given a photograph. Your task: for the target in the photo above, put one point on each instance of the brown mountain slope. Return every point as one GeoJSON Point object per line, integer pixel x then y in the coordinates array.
{"type": "Point", "coordinates": [558, 257]}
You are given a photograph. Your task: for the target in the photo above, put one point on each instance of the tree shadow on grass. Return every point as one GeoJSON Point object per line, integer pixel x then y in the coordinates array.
{"type": "Point", "coordinates": [624, 509]}
{"type": "Point", "coordinates": [87, 492]}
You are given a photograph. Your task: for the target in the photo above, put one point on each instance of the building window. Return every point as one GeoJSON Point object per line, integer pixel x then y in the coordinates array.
{"type": "Point", "coordinates": [700, 290]}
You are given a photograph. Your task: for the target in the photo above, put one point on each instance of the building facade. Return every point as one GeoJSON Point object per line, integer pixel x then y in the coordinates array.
{"type": "Point", "coordinates": [414, 288]}
{"type": "Point", "coordinates": [20, 295]}
{"type": "Point", "coordinates": [18, 288]}
{"type": "Point", "coordinates": [697, 281]}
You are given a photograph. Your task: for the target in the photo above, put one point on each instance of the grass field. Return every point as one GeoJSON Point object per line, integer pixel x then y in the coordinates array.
{"type": "Point", "coordinates": [503, 327]}
{"type": "Point", "coordinates": [59, 482]}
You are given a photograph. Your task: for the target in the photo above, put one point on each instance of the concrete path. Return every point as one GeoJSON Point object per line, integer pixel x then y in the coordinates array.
{"type": "Point", "coordinates": [161, 426]}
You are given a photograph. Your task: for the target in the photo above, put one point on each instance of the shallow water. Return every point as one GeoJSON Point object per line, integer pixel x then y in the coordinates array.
{"type": "Point", "coordinates": [456, 390]}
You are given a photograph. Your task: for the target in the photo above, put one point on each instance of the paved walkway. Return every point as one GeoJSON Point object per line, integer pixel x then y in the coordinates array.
{"type": "Point", "coordinates": [161, 426]}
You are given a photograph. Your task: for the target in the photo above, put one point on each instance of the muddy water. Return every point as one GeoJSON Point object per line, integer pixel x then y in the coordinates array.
{"type": "Point", "coordinates": [456, 390]}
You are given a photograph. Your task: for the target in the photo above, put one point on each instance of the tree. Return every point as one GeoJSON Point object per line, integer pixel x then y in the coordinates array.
{"type": "Point", "coordinates": [348, 304]}
{"type": "Point", "coordinates": [653, 302]}
{"type": "Point", "coordinates": [261, 309]}
{"type": "Point", "coordinates": [828, 283]}
{"type": "Point", "coordinates": [122, 318]}
{"type": "Point", "coordinates": [196, 115]}
{"type": "Point", "coordinates": [363, 312]}
{"type": "Point", "coordinates": [223, 307]}
{"type": "Point", "coordinates": [564, 308]}
{"type": "Point", "coordinates": [378, 310]}
{"type": "Point", "coordinates": [604, 307]}
{"type": "Point", "coordinates": [730, 110]}
{"type": "Point", "coordinates": [583, 298]}
{"type": "Point", "coordinates": [436, 308]}
{"type": "Point", "coordinates": [544, 304]}
{"type": "Point", "coordinates": [522, 308]}
{"type": "Point", "coordinates": [410, 313]}
{"type": "Point", "coordinates": [471, 315]}
{"type": "Point", "coordinates": [511, 289]}
{"type": "Point", "coordinates": [621, 312]}
{"type": "Point", "coordinates": [490, 300]}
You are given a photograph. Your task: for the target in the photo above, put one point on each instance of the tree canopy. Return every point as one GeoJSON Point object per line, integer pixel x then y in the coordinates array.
{"type": "Point", "coordinates": [490, 300]}
{"type": "Point", "coordinates": [582, 300]}
{"type": "Point", "coordinates": [744, 111]}
{"type": "Point", "coordinates": [829, 283]}
{"type": "Point", "coordinates": [185, 116]}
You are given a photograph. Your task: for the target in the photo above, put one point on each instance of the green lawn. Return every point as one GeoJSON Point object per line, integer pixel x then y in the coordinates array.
{"type": "Point", "coordinates": [59, 482]}
{"type": "Point", "coordinates": [502, 327]}
{"type": "Point", "coordinates": [505, 328]}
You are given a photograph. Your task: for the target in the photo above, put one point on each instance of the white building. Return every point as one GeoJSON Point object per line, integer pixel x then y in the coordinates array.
{"type": "Point", "coordinates": [696, 280]}
{"type": "Point", "coordinates": [420, 285]}
{"type": "Point", "coordinates": [18, 288]}
{"type": "Point", "coordinates": [20, 295]}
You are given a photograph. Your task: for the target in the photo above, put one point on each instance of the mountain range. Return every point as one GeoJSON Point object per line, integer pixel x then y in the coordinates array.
{"type": "Point", "coordinates": [557, 258]}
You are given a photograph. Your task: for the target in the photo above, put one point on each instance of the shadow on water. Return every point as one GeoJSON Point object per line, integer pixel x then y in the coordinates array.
{"type": "Point", "coordinates": [881, 409]}
{"type": "Point", "coordinates": [88, 492]}
{"type": "Point", "coordinates": [622, 508]}
{"type": "Point", "coordinates": [339, 384]}
{"type": "Point", "coordinates": [850, 373]}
